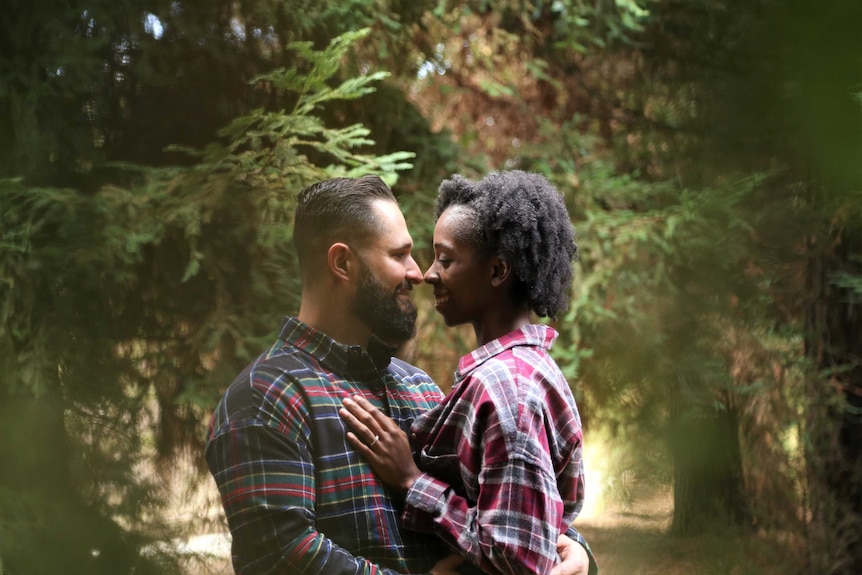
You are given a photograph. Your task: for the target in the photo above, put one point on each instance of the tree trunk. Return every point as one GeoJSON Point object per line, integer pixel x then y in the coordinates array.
{"type": "Point", "coordinates": [708, 482]}
{"type": "Point", "coordinates": [834, 455]}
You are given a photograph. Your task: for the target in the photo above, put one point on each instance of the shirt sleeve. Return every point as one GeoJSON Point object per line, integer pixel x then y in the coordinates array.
{"type": "Point", "coordinates": [266, 478]}
{"type": "Point", "coordinates": [512, 526]}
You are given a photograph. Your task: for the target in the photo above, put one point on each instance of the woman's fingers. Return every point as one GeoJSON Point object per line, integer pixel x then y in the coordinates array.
{"type": "Point", "coordinates": [368, 423]}
{"type": "Point", "coordinates": [361, 446]}
{"type": "Point", "coordinates": [383, 444]}
{"type": "Point", "coordinates": [363, 409]}
{"type": "Point", "coordinates": [362, 429]}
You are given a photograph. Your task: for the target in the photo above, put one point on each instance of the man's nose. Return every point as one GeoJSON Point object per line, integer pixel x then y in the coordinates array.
{"type": "Point", "coordinates": [414, 274]}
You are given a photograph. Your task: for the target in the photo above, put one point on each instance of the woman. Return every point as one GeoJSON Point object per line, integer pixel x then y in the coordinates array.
{"type": "Point", "coordinates": [497, 471]}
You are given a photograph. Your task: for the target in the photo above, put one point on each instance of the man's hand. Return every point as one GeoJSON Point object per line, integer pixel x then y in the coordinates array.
{"type": "Point", "coordinates": [574, 558]}
{"type": "Point", "coordinates": [448, 565]}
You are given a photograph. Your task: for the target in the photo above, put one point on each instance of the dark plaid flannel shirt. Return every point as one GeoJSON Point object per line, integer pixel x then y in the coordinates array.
{"type": "Point", "coordinates": [297, 496]}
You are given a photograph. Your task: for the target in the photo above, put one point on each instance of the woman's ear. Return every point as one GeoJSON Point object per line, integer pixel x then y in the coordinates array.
{"type": "Point", "coordinates": [339, 260]}
{"type": "Point", "coordinates": [501, 271]}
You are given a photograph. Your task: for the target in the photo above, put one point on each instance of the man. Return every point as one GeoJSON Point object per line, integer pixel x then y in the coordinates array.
{"type": "Point", "coordinates": [298, 498]}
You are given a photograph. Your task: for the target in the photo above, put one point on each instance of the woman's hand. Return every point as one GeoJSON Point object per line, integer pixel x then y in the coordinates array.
{"type": "Point", "coordinates": [383, 444]}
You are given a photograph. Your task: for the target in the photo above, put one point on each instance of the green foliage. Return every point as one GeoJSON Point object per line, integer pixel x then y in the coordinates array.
{"type": "Point", "coordinates": [131, 306]}
{"type": "Point", "coordinates": [852, 282]}
{"type": "Point", "coordinates": [709, 153]}
{"type": "Point", "coordinates": [583, 25]}
{"type": "Point", "coordinates": [670, 315]}
{"type": "Point", "coordinates": [579, 25]}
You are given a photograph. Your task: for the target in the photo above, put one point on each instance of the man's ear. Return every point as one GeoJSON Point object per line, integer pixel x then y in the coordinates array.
{"type": "Point", "coordinates": [340, 260]}
{"type": "Point", "coordinates": [501, 271]}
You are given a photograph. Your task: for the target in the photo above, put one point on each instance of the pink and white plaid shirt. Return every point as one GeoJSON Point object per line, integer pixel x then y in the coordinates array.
{"type": "Point", "coordinates": [501, 457]}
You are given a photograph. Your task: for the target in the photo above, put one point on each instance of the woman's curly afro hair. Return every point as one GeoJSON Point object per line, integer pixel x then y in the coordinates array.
{"type": "Point", "coordinates": [522, 218]}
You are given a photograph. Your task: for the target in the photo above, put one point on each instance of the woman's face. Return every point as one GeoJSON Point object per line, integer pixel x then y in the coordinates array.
{"type": "Point", "coordinates": [461, 279]}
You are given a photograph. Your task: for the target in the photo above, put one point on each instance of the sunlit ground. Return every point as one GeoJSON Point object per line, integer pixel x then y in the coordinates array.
{"type": "Point", "coordinates": [631, 537]}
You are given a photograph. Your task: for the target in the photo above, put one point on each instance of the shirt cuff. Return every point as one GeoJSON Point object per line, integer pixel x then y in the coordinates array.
{"type": "Point", "coordinates": [423, 503]}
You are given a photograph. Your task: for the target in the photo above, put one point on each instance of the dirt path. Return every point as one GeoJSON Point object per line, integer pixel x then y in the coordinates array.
{"type": "Point", "coordinates": [633, 541]}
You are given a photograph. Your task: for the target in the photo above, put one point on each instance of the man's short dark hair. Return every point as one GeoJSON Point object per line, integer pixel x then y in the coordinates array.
{"type": "Point", "coordinates": [521, 217]}
{"type": "Point", "coordinates": [334, 210]}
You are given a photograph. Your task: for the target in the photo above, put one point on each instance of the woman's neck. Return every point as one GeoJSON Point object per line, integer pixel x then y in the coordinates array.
{"type": "Point", "coordinates": [499, 322]}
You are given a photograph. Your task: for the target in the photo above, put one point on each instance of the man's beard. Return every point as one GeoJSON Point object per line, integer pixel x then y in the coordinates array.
{"type": "Point", "coordinates": [381, 311]}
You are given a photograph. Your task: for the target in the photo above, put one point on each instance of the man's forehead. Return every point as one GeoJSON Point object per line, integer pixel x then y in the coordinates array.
{"type": "Point", "coordinates": [392, 227]}
{"type": "Point", "coordinates": [392, 240]}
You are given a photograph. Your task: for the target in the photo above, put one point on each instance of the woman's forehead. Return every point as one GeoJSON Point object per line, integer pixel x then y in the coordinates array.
{"type": "Point", "coordinates": [459, 223]}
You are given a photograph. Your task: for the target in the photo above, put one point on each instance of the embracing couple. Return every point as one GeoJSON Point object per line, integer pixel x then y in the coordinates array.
{"type": "Point", "coordinates": [333, 457]}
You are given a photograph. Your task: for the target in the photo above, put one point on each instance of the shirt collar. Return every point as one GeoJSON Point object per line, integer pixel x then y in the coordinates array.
{"type": "Point", "coordinates": [340, 358]}
{"type": "Point", "coordinates": [537, 335]}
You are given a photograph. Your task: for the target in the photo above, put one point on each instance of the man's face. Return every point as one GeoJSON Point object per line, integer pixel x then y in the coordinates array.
{"type": "Point", "coordinates": [387, 275]}
{"type": "Point", "coordinates": [386, 311]}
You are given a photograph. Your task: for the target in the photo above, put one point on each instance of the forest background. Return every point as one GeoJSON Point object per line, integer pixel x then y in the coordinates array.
{"type": "Point", "coordinates": [710, 152]}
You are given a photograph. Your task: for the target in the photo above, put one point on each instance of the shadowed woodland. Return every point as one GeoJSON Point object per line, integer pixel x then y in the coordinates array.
{"type": "Point", "coordinates": [710, 153]}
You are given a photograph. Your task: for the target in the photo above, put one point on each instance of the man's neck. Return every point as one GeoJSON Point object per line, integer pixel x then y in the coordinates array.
{"type": "Point", "coordinates": [338, 323]}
